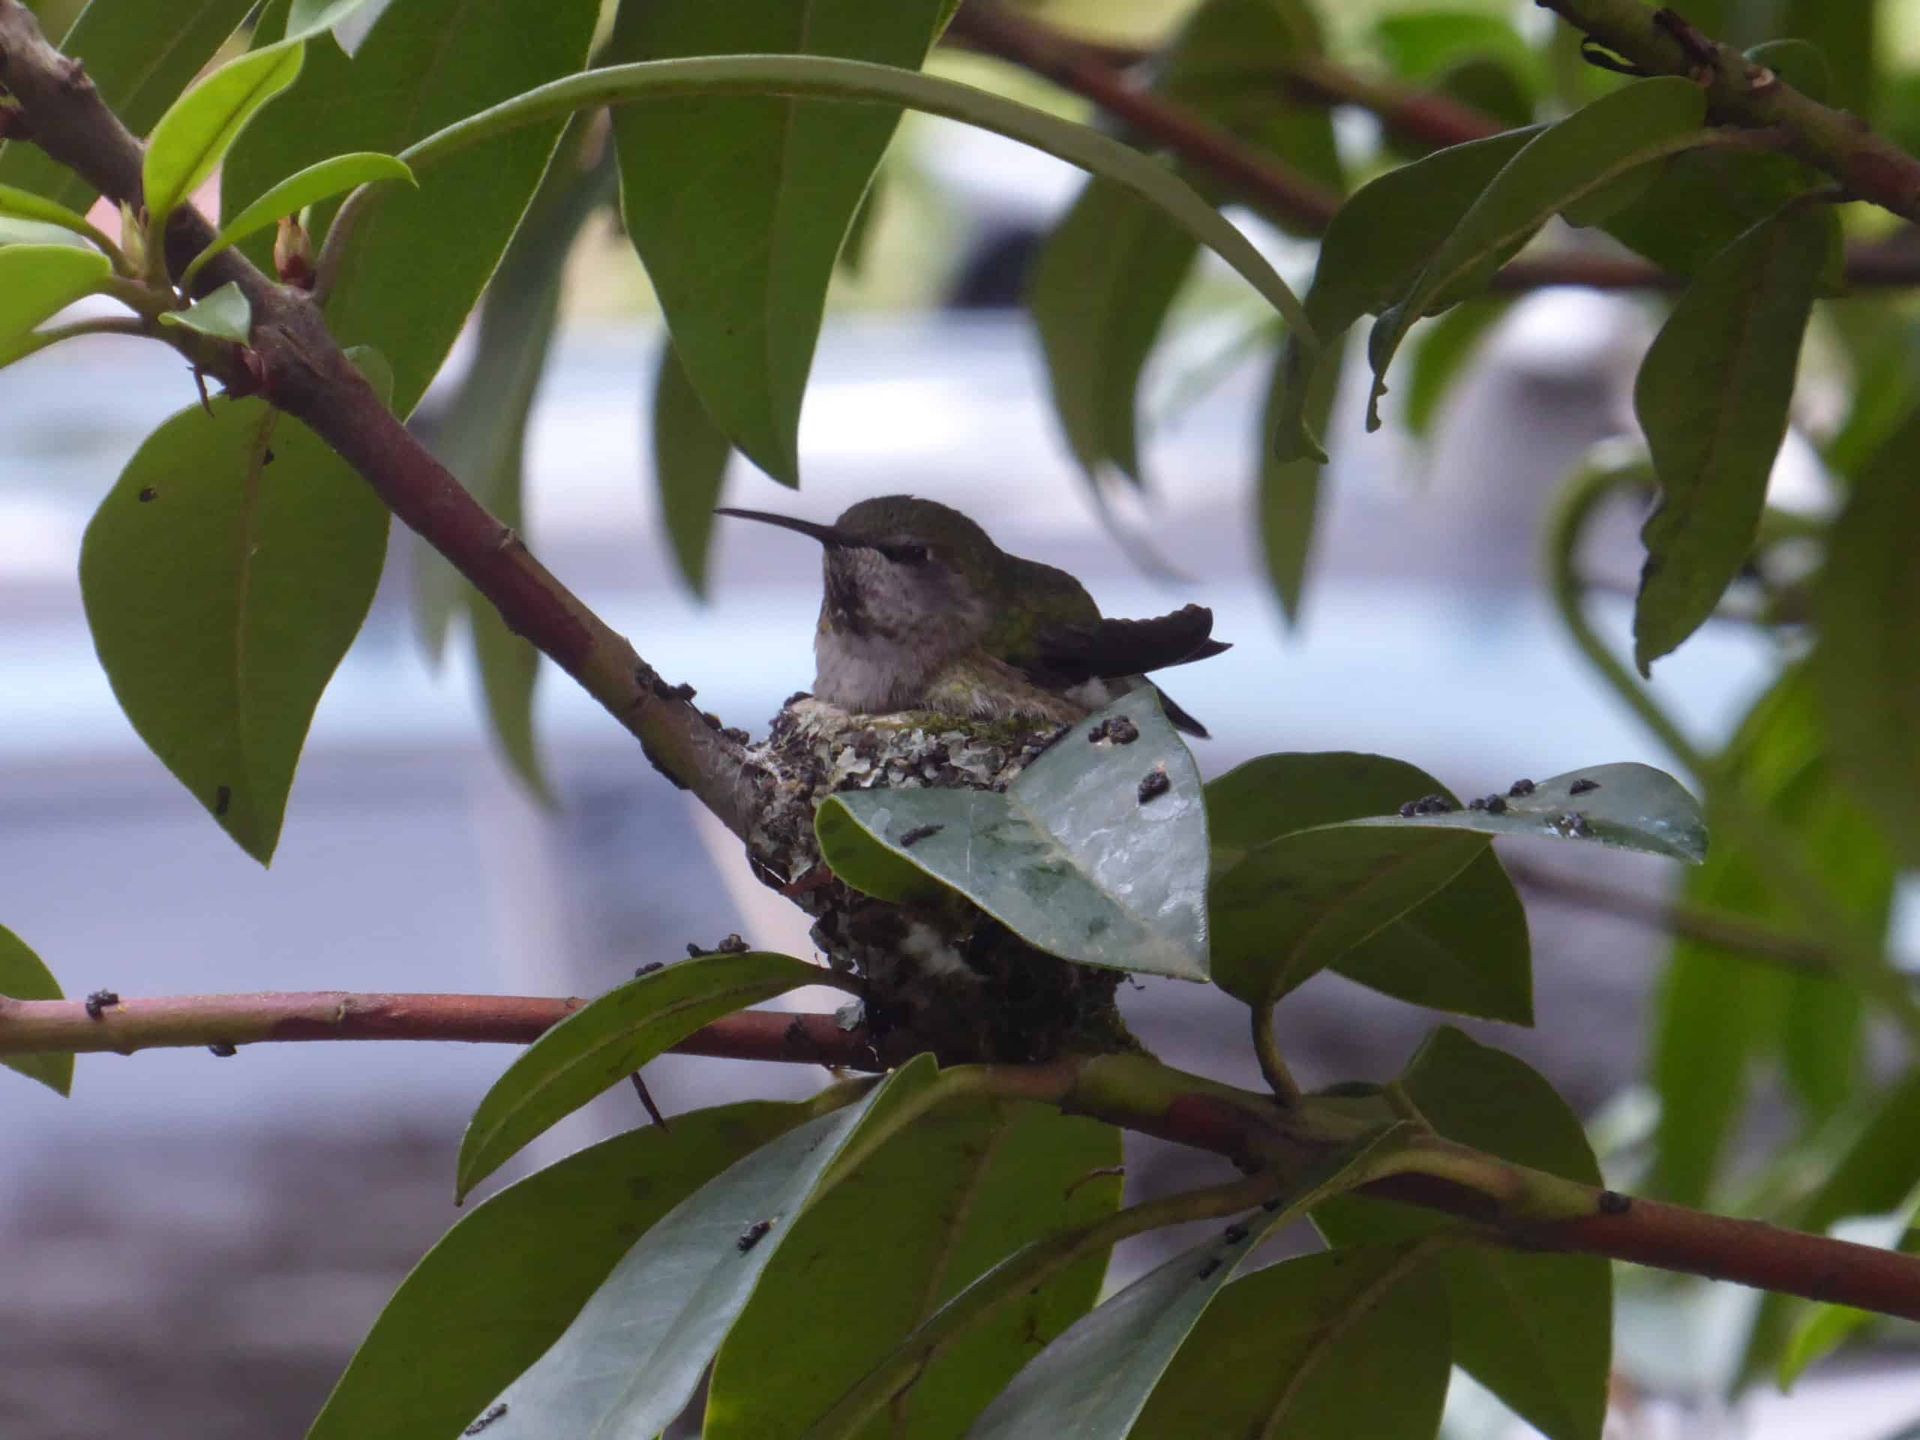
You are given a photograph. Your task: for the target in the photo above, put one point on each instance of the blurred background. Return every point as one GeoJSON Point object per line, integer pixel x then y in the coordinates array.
{"type": "Point", "coordinates": [192, 1246]}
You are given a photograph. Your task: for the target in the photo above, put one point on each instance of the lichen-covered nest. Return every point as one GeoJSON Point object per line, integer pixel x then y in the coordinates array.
{"type": "Point", "coordinates": [942, 975]}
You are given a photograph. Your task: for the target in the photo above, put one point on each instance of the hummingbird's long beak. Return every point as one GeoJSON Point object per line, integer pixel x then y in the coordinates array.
{"type": "Point", "coordinates": [825, 534]}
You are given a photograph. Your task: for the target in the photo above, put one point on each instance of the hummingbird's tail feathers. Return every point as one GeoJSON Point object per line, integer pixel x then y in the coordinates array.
{"type": "Point", "coordinates": [1180, 718]}
{"type": "Point", "coordinates": [1109, 648]}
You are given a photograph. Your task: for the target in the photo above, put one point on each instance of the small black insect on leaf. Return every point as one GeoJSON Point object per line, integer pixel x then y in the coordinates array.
{"type": "Point", "coordinates": [148, 494]}
{"type": "Point", "coordinates": [1208, 1269]}
{"type": "Point", "coordinates": [752, 1235]}
{"type": "Point", "coordinates": [1496, 805]}
{"type": "Point", "coordinates": [1116, 730]}
{"type": "Point", "coordinates": [1582, 786]}
{"type": "Point", "coordinates": [917, 834]}
{"type": "Point", "coordinates": [494, 1412]}
{"type": "Point", "coordinates": [1519, 788]}
{"type": "Point", "coordinates": [1154, 784]}
{"type": "Point", "coordinates": [653, 965]}
{"type": "Point", "coordinates": [222, 798]}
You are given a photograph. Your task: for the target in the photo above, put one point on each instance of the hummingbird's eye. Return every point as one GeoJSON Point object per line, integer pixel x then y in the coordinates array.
{"type": "Point", "coordinates": [906, 554]}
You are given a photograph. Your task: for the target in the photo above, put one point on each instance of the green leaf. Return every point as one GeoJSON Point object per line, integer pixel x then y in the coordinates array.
{"type": "Point", "coordinates": [598, 1046]}
{"type": "Point", "coordinates": [21, 204]}
{"type": "Point", "coordinates": [1623, 806]}
{"type": "Point", "coordinates": [200, 127]}
{"type": "Point", "coordinates": [1562, 165]}
{"type": "Point", "coordinates": [317, 182]}
{"type": "Point", "coordinates": [24, 976]}
{"type": "Point", "coordinates": [1372, 253]}
{"type": "Point", "coordinates": [1712, 397]}
{"type": "Point", "coordinates": [39, 281]}
{"type": "Point", "coordinates": [1289, 488]}
{"type": "Point", "coordinates": [635, 1355]}
{"type": "Point", "coordinates": [1675, 228]}
{"type": "Point", "coordinates": [1537, 1330]}
{"type": "Point", "coordinates": [738, 206]}
{"type": "Point", "coordinates": [1390, 227]}
{"type": "Point", "coordinates": [816, 77]}
{"type": "Point", "coordinates": [418, 262]}
{"type": "Point", "coordinates": [1867, 663]}
{"type": "Point", "coordinates": [1717, 1012]}
{"type": "Point", "coordinates": [942, 1201]}
{"type": "Point", "coordinates": [504, 1282]}
{"type": "Point", "coordinates": [1093, 1382]}
{"type": "Point", "coordinates": [225, 315]}
{"type": "Point", "coordinates": [224, 576]}
{"type": "Point", "coordinates": [1447, 349]}
{"type": "Point", "coordinates": [690, 455]}
{"type": "Point", "coordinates": [1070, 858]}
{"type": "Point", "coordinates": [1102, 286]}
{"type": "Point", "coordinates": [139, 56]}
{"type": "Point", "coordinates": [1352, 1342]}
{"type": "Point", "coordinates": [1435, 925]}
{"type": "Point", "coordinates": [310, 17]}
{"type": "Point", "coordinates": [1221, 64]}
{"type": "Point", "coordinates": [1426, 45]}
{"type": "Point", "coordinates": [1873, 1174]}
{"type": "Point", "coordinates": [1106, 279]}
{"type": "Point", "coordinates": [481, 436]}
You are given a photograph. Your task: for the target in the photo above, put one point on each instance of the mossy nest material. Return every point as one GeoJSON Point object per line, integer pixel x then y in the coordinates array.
{"type": "Point", "coordinates": [940, 976]}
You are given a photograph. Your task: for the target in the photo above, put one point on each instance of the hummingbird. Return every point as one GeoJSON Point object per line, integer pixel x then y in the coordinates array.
{"type": "Point", "coordinates": [922, 611]}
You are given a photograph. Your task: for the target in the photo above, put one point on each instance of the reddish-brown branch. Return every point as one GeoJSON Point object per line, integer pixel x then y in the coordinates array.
{"type": "Point", "coordinates": [295, 363]}
{"type": "Point", "coordinates": [130, 1025]}
{"type": "Point", "coordinates": [1269, 186]}
{"type": "Point", "coordinates": [1131, 1091]}
{"type": "Point", "coordinates": [1096, 72]}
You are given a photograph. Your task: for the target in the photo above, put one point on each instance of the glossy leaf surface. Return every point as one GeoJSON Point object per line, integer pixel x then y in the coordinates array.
{"type": "Point", "coordinates": [506, 1280]}
{"type": "Point", "coordinates": [601, 1044]}
{"type": "Point", "coordinates": [1351, 1342]}
{"type": "Point", "coordinates": [1537, 1330]}
{"type": "Point", "coordinates": [635, 1354]}
{"type": "Point", "coordinates": [1434, 921]}
{"type": "Point", "coordinates": [1093, 1382]}
{"type": "Point", "coordinates": [939, 1204]}
{"type": "Point", "coordinates": [1077, 858]}
{"type": "Point", "coordinates": [1623, 806]}
{"type": "Point", "coordinates": [193, 137]}
{"type": "Point", "coordinates": [1562, 165]}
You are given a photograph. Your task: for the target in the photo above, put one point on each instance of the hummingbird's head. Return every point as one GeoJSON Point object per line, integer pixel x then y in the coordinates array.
{"type": "Point", "coordinates": [899, 567]}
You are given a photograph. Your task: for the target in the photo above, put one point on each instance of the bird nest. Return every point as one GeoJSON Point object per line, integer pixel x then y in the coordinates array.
{"type": "Point", "coordinates": [939, 975]}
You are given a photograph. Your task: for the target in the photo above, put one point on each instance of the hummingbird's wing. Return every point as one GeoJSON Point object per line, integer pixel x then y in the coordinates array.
{"type": "Point", "coordinates": [1101, 649]}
